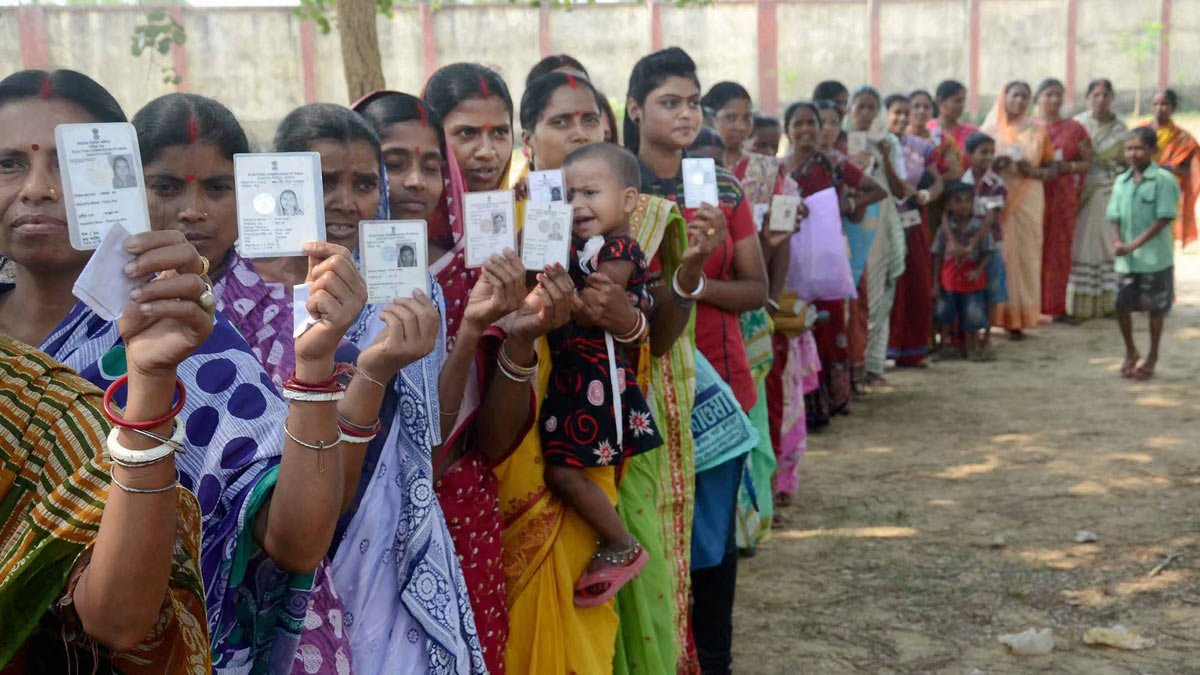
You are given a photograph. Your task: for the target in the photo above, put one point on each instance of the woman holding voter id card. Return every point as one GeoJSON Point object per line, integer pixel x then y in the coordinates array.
{"type": "Point", "coordinates": [245, 453]}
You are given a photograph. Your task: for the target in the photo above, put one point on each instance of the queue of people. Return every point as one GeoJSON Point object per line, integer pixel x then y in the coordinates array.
{"type": "Point", "coordinates": [526, 472]}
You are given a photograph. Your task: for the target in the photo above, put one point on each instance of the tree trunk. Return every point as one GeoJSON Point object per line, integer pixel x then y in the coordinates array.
{"type": "Point", "coordinates": [361, 61]}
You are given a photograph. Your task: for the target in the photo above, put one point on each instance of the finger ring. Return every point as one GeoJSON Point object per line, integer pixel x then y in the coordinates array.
{"type": "Point", "coordinates": [207, 300]}
{"type": "Point", "coordinates": [204, 265]}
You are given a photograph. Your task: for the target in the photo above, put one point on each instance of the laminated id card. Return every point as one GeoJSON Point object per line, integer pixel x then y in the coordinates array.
{"type": "Point", "coordinates": [102, 181]}
{"type": "Point", "coordinates": [489, 225]}
{"type": "Point", "coordinates": [280, 203]}
{"type": "Point", "coordinates": [699, 182]}
{"type": "Point", "coordinates": [547, 186]}
{"type": "Point", "coordinates": [394, 258]}
{"type": "Point", "coordinates": [546, 237]}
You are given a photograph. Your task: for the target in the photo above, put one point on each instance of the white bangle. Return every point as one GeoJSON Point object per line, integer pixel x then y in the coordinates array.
{"type": "Point", "coordinates": [680, 292]}
{"type": "Point", "coordinates": [347, 438]}
{"type": "Point", "coordinates": [774, 304]}
{"type": "Point", "coordinates": [128, 457]}
{"type": "Point", "coordinates": [144, 491]}
{"type": "Point", "coordinates": [312, 396]}
{"type": "Point", "coordinates": [922, 197]}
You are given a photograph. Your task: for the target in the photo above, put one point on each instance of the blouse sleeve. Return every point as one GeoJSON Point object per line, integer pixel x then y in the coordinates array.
{"type": "Point", "coordinates": [741, 225]}
{"type": "Point", "coordinates": [852, 174]}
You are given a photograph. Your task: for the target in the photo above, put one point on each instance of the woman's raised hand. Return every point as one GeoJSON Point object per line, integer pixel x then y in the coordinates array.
{"type": "Point", "coordinates": [546, 307]}
{"type": "Point", "coordinates": [410, 333]}
{"type": "Point", "coordinates": [499, 291]}
{"type": "Point", "coordinates": [171, 315]}
{"type": "Point", "coordinates": [335, 299]}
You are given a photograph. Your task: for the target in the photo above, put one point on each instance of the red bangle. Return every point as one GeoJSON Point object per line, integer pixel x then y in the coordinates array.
{"type": "Point", "coordinates": [360, 433]}
{"type": "Point", "coordinates": [325, 386]}
{"type": "Point", "coordinates": [116, 419]}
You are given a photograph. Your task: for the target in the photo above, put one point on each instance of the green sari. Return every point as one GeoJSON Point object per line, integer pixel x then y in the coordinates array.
{"type": "Point", "coordinates": [655, 498]}
{"type": "Point", "coordinates": [756, 499]}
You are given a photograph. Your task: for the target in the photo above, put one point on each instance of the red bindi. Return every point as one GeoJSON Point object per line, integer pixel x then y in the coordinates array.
{"type": "Point", "coordinates": [35, 147]}
{"type": "Point", "coordinates": [191, 177]}
{"type": "Point", "coordinates": [416, 151]}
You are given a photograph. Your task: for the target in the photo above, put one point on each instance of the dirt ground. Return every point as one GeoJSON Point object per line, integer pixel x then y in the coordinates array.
{"type": "Point", "coordinates": [943, 512]}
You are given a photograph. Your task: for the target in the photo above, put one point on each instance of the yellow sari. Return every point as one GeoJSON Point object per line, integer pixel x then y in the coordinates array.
{"type": "Point", "coordinates": [546, 548]}
{"type": "Point", "coordinates": [1021, 220]}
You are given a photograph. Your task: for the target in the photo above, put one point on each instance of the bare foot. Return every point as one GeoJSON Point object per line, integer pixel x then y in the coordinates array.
{"type": "Point", "coordinates": [1130, 364]}
{"type": "Point", "coordinates": [1145, 371]}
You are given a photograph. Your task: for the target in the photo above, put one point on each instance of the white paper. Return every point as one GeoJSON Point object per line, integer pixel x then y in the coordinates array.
{"type": "Point", "coordinates": [856, 143]}
{"type": "Point", "coordinates": [280, 203]}
{"type": "Point", "coordinates": [546, 237]}
{"type": "Point", "coordinates": [823, 209]}
{"type": "Point", "coordinates": [301, 319]}
{"type": "Point", "coordinates": [699, 182]}
{"type": "Point", "coordinates": [488, 225]}
{"type": "Point", "coordinates": [547, 186]}
{"type": "Point", "coordinates": [394, 258]}
{"type": "Point", "coordinates": [783, 213]}
{"type": "Point", "coordinates": [910, 218]}
{"type": "Point", "coordinates": [103, 284]}
{"type": "Point", "coordinates": [1014, 152]}
{"type": "Point", "coordinates": [1058, 155]}
{"type": "Point", "coordinates": [760, 215]}
{"type": "Point", "coordinates": [103, 185]}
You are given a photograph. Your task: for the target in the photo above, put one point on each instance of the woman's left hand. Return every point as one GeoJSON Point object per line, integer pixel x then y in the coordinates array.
{"type": "Point", "coordinates": [499, 290]}
{"type": "Point", "coordinates": [336, 298]}
{"type": "Point", "coordinates": [164, 322]}
{"type": "Point", "coordinates": [605, 304]}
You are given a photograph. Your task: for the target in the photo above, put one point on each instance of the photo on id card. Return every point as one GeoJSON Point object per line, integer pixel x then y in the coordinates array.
{"type": "Point", "coordinates": [546, 186]}
{"type": "Point", "coordinates": [488, 225]}
{"type": "Point", "coordinates": [102, 181]}
{"type": "Point", "coordinates": [546, 237]}
{"type": "Point", "coordinates": [699, 182]}
{"type": "Point", "coordinates": [394, 258]}
{"type": "Point", "coordinates": [280, 204]}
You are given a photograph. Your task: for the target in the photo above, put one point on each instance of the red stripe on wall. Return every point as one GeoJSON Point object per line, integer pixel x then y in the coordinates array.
{"type": "Point", "coordinates": [179, 59]}
{"type": "Point", "coordinates": [768, 57]}
{"type": "Point", "coordinates": [1164, 47]}
{"type": "Point", "coordinates": [429, 41]}
{"type": "Point", "coordinates": [973, 59]}
{"type": "Point", "coordinates": [308, 61]}
{"type": "Point", "coordinates": [1072, 36]}
{"type": "Point", "coordinates": [31, 24]}
{"type": "Point", "coordinates": [875, 61]}
{"type": "Point", "coordinates": [656, 40]}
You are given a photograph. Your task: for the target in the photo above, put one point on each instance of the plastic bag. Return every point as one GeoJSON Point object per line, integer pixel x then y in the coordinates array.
{"type": "Point", "coordinates": [820, 265]}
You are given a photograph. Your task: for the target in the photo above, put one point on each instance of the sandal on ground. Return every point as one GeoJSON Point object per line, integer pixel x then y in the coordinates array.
{"type": "Point", "coordinates": [1016, 335]}
{"type": "Point", "coordinates": [1143, 373]}
{"type": "Point", "coordinates": [626, 565]}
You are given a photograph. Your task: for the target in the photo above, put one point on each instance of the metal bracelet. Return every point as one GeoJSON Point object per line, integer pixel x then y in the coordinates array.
{"type": "Point", "coordinates": [141, 491]}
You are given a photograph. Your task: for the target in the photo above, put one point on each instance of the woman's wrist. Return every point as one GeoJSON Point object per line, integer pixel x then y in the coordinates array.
{"type": "Point", "coordinates": [314, 370]}
{"type": "Point", "coordinates": [519, 350]}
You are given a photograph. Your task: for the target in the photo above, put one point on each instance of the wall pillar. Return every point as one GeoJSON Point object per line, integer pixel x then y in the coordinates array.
{"type": "Point", "coordinates": [768, 56]}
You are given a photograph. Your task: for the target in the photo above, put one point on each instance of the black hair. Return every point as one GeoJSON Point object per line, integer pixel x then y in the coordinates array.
{"type": "Point", "coordinates": [183, 119]}
{"type": "Point", "coordinates": [977, 139]}
{"type": "Point", "coordinates": [385, 108]}
{"type": "Point", "coordinates": [454, 83]}
{"type": "Point", "coordinates": [812, 107]}
{"type": "Point", "coordinates": [1172, 98]}
{"type": "Point", "coordinates": [537, 95]}
{"type": "Point", "coordinates": [762, 121]}
{"type": "Point", "coordinates": [721, 93]}
{"type": "Point", "coordinates": [828, 90]}
{"type": "Point", "coordinates": [610, 117]}
{"type": "Point", "coordinates": [956, 187]}
{"type": "Point", "coordinates": [64, 85]}
{"type": "Point", "coordinates": [648, 74]}
{"type": "Point", "coordinates": [921, 92]}
{"type": "Point", "coordinates": [551, 64]}
{"type": "Point", "coordinates": [893, 99]}
{"type": "Point", "coordinates": [826, 104]}
{"type": "Point", "coordinates": [1046, 84]}
{"type": "Point", "coordinates": [1017, 83]}
{"type": "Point", "coordinates": [1146, 135]}
{"type": "Point", "coordinates": [620, 161]}
{"type": "Point", "coordinates": [327, 121]}
{"type": "Point", "coordinates": [708, 138]}
{"type": "Point", "coordinates": [948, 89]}
{"type": "Point", "coordinates": [1100, 82]}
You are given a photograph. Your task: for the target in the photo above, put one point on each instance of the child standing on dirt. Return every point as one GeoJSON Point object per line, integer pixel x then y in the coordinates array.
{"type": "Point", "coordinates": [1142, 207]}
{"type": "Point", "coordinates": [960, 281]}
{"type": "Point", "coordinates": [990, 195]}
{"type": "Point", "coordinates": [594, 414]}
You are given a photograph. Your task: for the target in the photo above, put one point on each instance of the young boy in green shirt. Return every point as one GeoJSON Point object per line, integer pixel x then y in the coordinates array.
{"type": "Point", "coordinates": [1141, 210]}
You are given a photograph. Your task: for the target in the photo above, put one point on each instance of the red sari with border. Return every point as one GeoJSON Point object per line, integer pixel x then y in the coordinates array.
{"type": "Point", "coordinates": [1062, 209]}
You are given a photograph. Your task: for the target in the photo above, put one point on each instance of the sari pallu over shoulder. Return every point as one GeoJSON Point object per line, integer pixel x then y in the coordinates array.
{"type": "Point", "coordinates": [406, 604]}
{"type": "Point", "coordinates": [233, 421]}
{"type": "Point", "coordinates": [1176, 146]}
{"type": "Point", "coordinates": [53, 483]}
{"type": "Point", "coordinates": [656, 493]}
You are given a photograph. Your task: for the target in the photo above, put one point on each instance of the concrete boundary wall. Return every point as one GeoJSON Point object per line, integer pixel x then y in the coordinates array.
{"type": "Point", "coordinates": [263, 62]}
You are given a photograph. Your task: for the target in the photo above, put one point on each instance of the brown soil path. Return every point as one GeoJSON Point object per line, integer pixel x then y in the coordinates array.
{"type": "Point", "coordinates": [943, 512]}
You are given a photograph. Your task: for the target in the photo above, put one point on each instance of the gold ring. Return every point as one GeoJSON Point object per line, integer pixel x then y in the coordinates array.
{"type": "Point", "coordinates": [206, 300]}
{"type": "Point", "coordinates": [204, 265]}
{"type": "Point", "coordinates": [52, 192]}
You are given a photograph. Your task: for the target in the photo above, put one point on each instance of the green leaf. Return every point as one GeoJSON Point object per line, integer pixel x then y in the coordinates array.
{"type": "Point", "coordinates": [164, 46]}
{"type": "Point", "coordinates": [156, 15]}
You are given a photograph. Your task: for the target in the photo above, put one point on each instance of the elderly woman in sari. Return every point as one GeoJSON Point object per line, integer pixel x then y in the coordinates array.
{"type": "Point", "coordinates": [1028, 148]}
{"type": "Point", "coordinates": [1178, 153]}
{"type": "Point", "coordinates": [1092, 286]}
{"type": "Point", "coordinates": [268, 509]}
